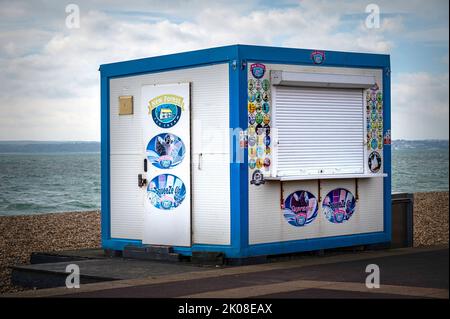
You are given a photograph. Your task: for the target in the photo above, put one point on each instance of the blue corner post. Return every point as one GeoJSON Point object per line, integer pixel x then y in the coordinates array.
{"type": "Point", "coordinates": [238, 156]}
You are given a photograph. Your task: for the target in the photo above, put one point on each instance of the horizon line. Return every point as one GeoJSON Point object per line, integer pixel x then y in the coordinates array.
{"type": "Point", "coordinates": [98, 141]}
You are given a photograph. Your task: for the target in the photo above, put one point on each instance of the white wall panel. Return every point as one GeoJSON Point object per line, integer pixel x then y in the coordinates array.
{"type": "Point", "coordinates": [209, 127]}
{"type": "Point", "coordinates": [127, 203]}
{"type": "Point", "coordinates": [267, 223]}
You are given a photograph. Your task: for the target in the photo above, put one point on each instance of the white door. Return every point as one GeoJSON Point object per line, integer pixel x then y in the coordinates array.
{"type": "Point", "coordinates": [166, 136]}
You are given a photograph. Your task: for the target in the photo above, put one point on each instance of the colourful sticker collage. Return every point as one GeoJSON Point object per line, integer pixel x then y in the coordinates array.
{"type": "Point", "coordinates": [375, 140]}
{"type": "Point", "coordinates": [259, 121]}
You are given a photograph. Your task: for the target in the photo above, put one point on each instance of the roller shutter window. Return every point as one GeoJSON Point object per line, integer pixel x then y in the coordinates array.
{"type": "Point", "coordinates": [320, 131]}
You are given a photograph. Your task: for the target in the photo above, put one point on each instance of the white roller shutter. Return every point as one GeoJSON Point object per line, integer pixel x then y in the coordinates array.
{"type": "Point", "coordinates": [320, 131]}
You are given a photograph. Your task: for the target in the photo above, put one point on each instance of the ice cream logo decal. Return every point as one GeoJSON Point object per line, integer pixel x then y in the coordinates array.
{"type": "Point", "coordinates": [165, 151]}
{"type": "Point", "coordinates": [318, 57]}
{"type": "Point", "coordinates": [339, 205]}
{"type": "Point", "coordinates": [166, 191]}
{"type": "Point", "coordinates": [258, 70]}
{"type": "Point", "coordinates": [300, 208]}
{"type": "Point", "coordinates": [166, 109]}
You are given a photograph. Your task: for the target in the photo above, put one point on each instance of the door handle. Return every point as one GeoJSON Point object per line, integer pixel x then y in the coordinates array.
{"type": "Point", "coordinates": [145, 165]}
{"type": "Point", "coordinates": [141, 181]}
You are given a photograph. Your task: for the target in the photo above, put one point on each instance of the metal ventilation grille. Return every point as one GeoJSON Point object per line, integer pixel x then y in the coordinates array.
{"type": "Point", "coordinates": [320, 131]}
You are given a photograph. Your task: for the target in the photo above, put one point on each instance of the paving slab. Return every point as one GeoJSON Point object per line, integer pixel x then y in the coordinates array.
{"type": "Point", "coordinates": [46, 275]}
{"type": "Point", "coordinates": [420, 269]}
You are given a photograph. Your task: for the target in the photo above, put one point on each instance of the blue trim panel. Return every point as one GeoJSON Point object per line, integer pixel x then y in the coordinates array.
{"type": "Point", "coordinates": [169, 62]}
{"type": "Point", "coordinates": [105, 176]}
{"type": "Point", "coordinates": [316, 243]}
{"type": "Point", "coordinates": [387, 153]}
{"type": "Point", "coordinates": [302, 56]}
{"type": "Point", "coordinates": [236, 56]}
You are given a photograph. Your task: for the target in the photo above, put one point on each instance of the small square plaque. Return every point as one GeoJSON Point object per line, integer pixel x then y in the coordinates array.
{"type": "Point", "coordinates": [126, 105]}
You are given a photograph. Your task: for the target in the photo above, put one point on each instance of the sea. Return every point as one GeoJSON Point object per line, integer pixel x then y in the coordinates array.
{"type": "Point", "coordinates": [47, 177]}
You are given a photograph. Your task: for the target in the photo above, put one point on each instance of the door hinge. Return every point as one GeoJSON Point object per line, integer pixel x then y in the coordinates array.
{"type": "Point", "coordinates": [387, 71]}
{"type": "Point", "coordinates": [242, 64]}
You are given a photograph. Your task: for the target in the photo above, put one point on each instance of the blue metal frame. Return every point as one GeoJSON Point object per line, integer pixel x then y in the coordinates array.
{"type": "Point", "coordinates": [237, 56]}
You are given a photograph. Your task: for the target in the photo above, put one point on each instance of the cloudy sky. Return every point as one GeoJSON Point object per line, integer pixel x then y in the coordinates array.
{"type": "Point", "coordinates": [49, 80]}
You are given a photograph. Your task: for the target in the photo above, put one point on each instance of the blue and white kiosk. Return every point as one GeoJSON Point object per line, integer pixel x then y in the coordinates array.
{"type": "Point", "coordinates": [246, 150]}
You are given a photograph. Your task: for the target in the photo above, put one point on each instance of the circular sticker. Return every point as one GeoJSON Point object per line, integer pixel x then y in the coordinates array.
{"type": "Point", "coordinates": [251, 119]}
{"type": "Point", "coordinates": [257, 178]}
{"type": "Point", "coordinates": [251, 140]}
{"type": "Point", "coordinates": [373, 144]}
{"type": "Point", "coordinates": [265, 84]}
{"type": "Point", "coordinates": [267, 140]}
{"type": "Point", "coordinates": [258, 97]}
{"type": "Point", "coordinates": [374, 162]}
{"type": "Point", "coordinates": [258, 70]}
{"type": "Point", "coordinates": [251, 97]}
{"type": "Point", "coordinates": [373, 116]}
{"type": "Point", "coordinates": [267, 163]}
{"type": "Point", "coordinates": [259, 163]}
{"type": "Point", "coordinates": [266, 119]}
{"type": "Point", "coordinates": [339, 205]}
{"type": "Point", "coordinates": [258, 85]}
{"type": "Point", "coordinates": [374, 96]}
{"type": "Point", "coordinates": [265, 96]}
{"type": "Point", "coordinates": [251, 107]}
{"type": "Point", "coordinates": [259, 129]}
{"type": "Point", "coordinates": [166, 115]}
{"type": "Point", "coordinates": [166, 191]}
{"type": "Point", "coordinates": [252, 151]}
{"type": "Point", "coordinates": [267, 150]}
{"type": "Point", "coordinates": [379, 97]}
{"type": "Point", "coordinates": [252, 163]}
{"type": "Point", "coordinates": [259, 118]}
{"type": "Point", "coordinates": [267, 129]}
{"type": "Point", "coordinates": [251, 130]}
{"type": "Point", "coordinates": [260, 140]}
{"type": "Point", "coordinates": [165, 151]}
{"type": "Point", "coordinates": [260, 151]}
{"type": "Point", "coordinates": [265, 107]}
{"type": "Point", "coordinates": [258, 107]}
{"type": "Point", "coordinates": [300, 208]}
{"type": "Point", "coordinates": [251, 84]}
{"type": "Point", "coordinates": [379, 106]}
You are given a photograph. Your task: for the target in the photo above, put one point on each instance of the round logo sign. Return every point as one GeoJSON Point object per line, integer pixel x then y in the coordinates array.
{"type": "Point", "coordinates": [166, 191]}
{"type": "Point", "coordinates": [339, 205]}
{"type": "Point", "coordinates": [165, 151]}
{"type": "Point", "coordinates": [166, 109]}
{"type": "Point", "coordinates": [300, 208]}
{"type": "Point", "coordinates": [374, 162]}
{"type": "Point", "coordinates": [258, 70]}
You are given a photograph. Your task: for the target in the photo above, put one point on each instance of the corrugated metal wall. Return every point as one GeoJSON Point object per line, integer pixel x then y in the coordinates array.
{"type": "Point", "coordinates": [210, 136]}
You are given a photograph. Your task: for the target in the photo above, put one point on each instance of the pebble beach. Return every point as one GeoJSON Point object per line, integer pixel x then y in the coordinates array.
{"type": "Point", "coordinates": [22, 235]}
